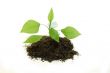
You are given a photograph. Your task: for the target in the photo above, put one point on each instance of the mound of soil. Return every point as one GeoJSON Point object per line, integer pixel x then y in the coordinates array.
{"type": "Point", "coordinates": [49, 50]}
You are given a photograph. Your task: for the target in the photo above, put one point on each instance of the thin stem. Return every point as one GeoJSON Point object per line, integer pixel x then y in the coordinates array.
{"type": "Point", "coordinates": [49, 25]}
{"type": "Point", "coordinates": [45, 26]}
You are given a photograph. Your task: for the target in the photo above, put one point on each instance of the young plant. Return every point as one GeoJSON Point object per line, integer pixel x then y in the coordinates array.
{"type": "Point", "coordinates": [32, 26]}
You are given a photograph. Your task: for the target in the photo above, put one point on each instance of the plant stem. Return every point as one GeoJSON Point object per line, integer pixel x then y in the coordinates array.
{"type": "Point", "coordinates": [49, 25]}
{"type": "Point", "coordinates": [45, 26]}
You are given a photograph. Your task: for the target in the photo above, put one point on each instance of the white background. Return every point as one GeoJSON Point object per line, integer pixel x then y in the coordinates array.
{"type": "Point", "coordinates": [90, 17]}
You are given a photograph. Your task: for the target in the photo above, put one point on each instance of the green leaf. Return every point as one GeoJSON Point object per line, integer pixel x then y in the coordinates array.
{"type": "Point", "coordinates": [70, 32]}
{"type": "Point", "coordinates": [33, 38]}
{"type": "Point", "coordinates": [31, 26]}
{"type": "Point", "coordinates": [54, 34]}
{"type": "Point", "coordinates": [50, 15]}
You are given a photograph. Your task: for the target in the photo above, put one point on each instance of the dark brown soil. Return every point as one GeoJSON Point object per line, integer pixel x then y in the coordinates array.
{"type": "Point", "coordinates": [49, 50]}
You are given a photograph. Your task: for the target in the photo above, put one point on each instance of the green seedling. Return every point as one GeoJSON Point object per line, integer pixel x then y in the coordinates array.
{"type": "Point", "coordinates": [32, 26]}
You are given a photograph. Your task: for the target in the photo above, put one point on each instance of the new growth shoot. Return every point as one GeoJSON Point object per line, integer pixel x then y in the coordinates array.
{"type": "Point", "coordinates": [32, 26]}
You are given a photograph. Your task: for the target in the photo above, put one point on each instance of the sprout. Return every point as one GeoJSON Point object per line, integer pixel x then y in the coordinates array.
{"type": "Point", "coordinates": [32, 26]}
